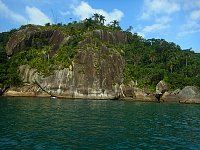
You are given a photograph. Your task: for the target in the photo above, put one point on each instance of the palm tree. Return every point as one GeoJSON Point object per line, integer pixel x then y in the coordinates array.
{"type": "Point", "coordinates": [171, 63]}
{"type": "Point", "coordinates": [96, 17]}
{"type": "Point", "coordinates": [129, 29]}
{"type": "Point", "coordinates": [88, 22]}
{"type": "Point", "coordinates": [115, 24]}
{"type": "Point", "coordinates": [102, 19]}
{"type": "Point", "coordinates": [187, 55]}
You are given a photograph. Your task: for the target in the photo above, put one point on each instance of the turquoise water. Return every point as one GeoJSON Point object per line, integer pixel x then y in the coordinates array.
{"type": "Point", "coordinates": [42, 123]}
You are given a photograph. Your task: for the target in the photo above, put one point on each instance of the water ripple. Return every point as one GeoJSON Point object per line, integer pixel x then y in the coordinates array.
{"type": "Point", "coordinates": [39, 123]}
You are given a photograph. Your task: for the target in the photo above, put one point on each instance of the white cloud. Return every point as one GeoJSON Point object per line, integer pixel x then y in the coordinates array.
{"type": "Point", "coordinates": [9, 14]}
{"type": "Point", "coordinates": [145, 16]}
{"type": "Point", "coordinates": [190, 4]}
{"type": "Point", "coordinates": [159, 7]}
{"type": "Point", "coordinates": [84, 10]}
{"type": "Point", "coordinates": [186, 32]}
{"type": "Point", "coordinates": [36, 16]}
{"type": "Point", "coordinates": [195, 15]}
{"type": "Point", "coordinates": [155, 28]}
{"type": "Point", "coordinates": [191, 25]}
{"type": "Point", "coordinates": [160, 13]}
{"type": "Point", "coordinates": [163, 19]}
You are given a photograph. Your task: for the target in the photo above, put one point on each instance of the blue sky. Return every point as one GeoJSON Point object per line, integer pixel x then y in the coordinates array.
{"type": "Point", "coordinates": [173, 20]}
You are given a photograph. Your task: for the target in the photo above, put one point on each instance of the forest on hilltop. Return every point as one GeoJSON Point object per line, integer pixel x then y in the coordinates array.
{"type": "Point", "coordinates": [147, 61]}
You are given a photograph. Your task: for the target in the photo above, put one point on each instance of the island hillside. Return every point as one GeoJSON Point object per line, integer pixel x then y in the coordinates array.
{"type": "Point", "coordinates": [88, 59]}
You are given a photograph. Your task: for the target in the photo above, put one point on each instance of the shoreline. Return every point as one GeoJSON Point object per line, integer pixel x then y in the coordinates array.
{"type": "Point", "coordinates": [138, 98]}
{"type": "Point", "coordinates": [178, 101]}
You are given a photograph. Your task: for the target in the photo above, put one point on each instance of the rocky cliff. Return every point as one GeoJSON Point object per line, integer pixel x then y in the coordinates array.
{"type": "Point", "coordinates": [95, 72]}
{"type": "Point", "coordinates": [33, 35]}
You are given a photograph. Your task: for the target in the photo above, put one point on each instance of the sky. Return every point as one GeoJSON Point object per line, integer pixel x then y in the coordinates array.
{"type": "Point", "coordinates": [175, 21]}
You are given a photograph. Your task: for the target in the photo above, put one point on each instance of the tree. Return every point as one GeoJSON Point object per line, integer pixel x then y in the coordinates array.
{"type": "Point", "coordinates": [88, 22]}
{"type": "Point", "coordinates": [47, 24]}
{"type": "Point", "coordinates": [171, 64]}
{"type": "Point", "coordinates": [102, 19]}
{"type": "Point", "coordinates": [96, 17]}
{"type": "Point", "coordinates": [187, 55]}
{"type": "Point", "coordinates": [152, 56]}
{"type": "Point", "coordinates": [130, 28]}
{"type": "Point", "coordinates": [115, 24]}
{"type": "Point", "coordinates": [59, 24]}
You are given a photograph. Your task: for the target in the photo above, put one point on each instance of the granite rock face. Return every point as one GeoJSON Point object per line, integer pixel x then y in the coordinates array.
{"type": "Point", "coordinates": [189, 94]}
{"type": "Point", "coordinates": [115, 37]}
{"type": "Point", "coordinates": [87, 77]}
{"type": "Point", "coordinates": [95, 73]}
{"type": "Point", "coordinates": [28, 37]}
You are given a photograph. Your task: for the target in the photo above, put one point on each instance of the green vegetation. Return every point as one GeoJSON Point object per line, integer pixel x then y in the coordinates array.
{"type": "Point", "coordinates": [8, 72]}
{"type": "Point", "coordinates": [147, 61]}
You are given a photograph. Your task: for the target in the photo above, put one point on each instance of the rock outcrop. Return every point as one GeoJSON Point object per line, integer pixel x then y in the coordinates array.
{"type": "Point", "coordinates": [3, 89]}
{"type": "Point", "coordinates": [95, 73]}
{"type": "Point", "coordinates": [189, 94]}
{"type": "Point", "coordinates": [161, 87]}
{"type": "Point", "coordinates": [23, 39]}
{"type": "Point", "coordinates": [143, 95]}
{"type": "Point", "coordinates": [127, 91]}
{"type": "Point", "coordinates": [132, 92]}
{"type": "Point", "coordinates": [95, 69]}
{"type": "Point", "coordinates": [87, 77]}
{"type": "Point", "coordinates": [169, 97]}
{"type": "Point", "coordinates": [115, 37]}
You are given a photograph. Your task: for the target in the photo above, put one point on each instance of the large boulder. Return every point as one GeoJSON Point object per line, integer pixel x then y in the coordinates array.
{"type": "Point", "coordinates": [143, 95]}
{"type": "Point", "coordinates": [127, 91]}
{"type": "Point", "coordinates": [161, 87]}
{"type": "Point", "coordinates": [132, 92]}
{"type": "Point", "coordinates": [170, 97]}
{"type": "Point", "coordinates": [190, 94]}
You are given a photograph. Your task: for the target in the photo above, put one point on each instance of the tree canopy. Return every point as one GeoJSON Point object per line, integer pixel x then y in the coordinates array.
{"type": "Point", "coordinates": [147, 60]}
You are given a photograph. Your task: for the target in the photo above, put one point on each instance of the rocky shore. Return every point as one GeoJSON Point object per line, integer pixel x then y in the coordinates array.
{"type": "Point", "coordinates": [95, 72]}
{"type": "Point", "coordinates": [189, 94]}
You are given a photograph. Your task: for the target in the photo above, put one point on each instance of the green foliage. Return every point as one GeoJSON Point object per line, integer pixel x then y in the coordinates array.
{"type": "Point", "coordinates": [146, 61]}
{"type": "Point", "coordinates": [149, 61]}
{"type": "Point", "coordinates": [176, 80]}
{"type": "Point", "coordinates": [8, 74]}
{"type": "Point", "coordinates": [65, 54]}
{"type": "Point", "coordinates": [42, 60]}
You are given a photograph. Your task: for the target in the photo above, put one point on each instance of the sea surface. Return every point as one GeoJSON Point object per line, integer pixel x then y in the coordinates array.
{"type": "Point", "coordinates": [51, 124]}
